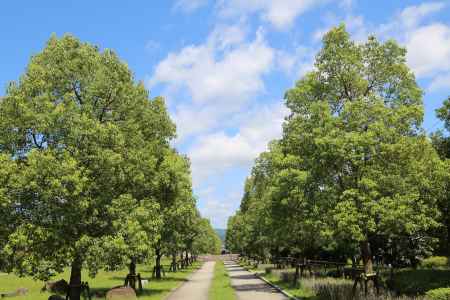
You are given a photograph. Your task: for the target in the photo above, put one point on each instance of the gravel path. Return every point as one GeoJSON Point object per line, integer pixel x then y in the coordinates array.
{"type": "Point", "coordinates": [197, 285]}
{"type": "Point", "coordinates": [248, 286]}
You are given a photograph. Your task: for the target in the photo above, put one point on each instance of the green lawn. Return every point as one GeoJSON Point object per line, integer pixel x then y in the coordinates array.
{"type": "Point", "coordinates": [411, 284]}
{"type": "Point", "coordinates": [157, 289]}
{"type": "Point", "coordinates": [419, 281]}
{"type": "Point", "coordinates": [221, 286]}
{"type": "Point", "coordinates": [299, 292]}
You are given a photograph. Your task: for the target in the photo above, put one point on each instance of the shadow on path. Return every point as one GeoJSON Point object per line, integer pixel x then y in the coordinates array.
{"type": "Point", "coordinates": [248, 286]}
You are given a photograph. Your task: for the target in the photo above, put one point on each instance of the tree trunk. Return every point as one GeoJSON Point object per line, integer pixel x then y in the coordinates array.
{"type": "Point", "coordinates": [75, 280]}
{"type": "Point", "coordinates": [132, 272]}
{"type": "Point", "coordinates": [158, 264]}
{"type": "Point", "coordinates": [174, 262]}
{"type": "Point", "coordinates": [132, 267]}
{"type": "Point", "coordinates": [297, 273]}
{"type": "Point", "coordinates": [366, 253]}
{"type": "Point", "coordinates": [448, 236]}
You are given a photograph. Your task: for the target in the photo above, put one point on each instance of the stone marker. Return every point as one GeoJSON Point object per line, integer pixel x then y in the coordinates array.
{"type": "Point", "coordinates": [121, 293]}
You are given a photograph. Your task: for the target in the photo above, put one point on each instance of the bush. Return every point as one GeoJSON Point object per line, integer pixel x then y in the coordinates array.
{"type": "Point", "coordinates": [439, 294]}
{"type": "Point", "coordinates": [420, 281]}
{"type": "Point", "coordinates": [269, 270]}
{"type": "Point", "coordinates": [434, 262]}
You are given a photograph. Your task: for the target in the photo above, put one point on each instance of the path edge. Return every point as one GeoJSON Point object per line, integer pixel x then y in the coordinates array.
{"type": "Point", "coordinates": [292, 297]}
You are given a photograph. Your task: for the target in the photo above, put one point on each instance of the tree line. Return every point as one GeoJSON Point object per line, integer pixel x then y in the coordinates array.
{"type": "Point", "coordinates": [354, 175]}
{"type": "Point", "coordinates": [88, 176]}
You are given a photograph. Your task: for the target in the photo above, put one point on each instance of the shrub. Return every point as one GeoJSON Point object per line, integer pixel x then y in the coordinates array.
{"type": "Point", "coordinates": [435, 262]}
{"type": "Point", "coordinates": [269, 270]}
{"type": "Point", "coordinates": [439, 294]}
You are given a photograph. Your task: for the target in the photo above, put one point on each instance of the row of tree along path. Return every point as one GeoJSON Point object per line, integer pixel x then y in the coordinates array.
{"type": "Point", "coordinates": [88, 176]}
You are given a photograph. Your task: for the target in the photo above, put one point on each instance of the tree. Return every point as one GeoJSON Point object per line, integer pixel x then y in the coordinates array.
{"type": "Point", "coordinates": [353, 168]}
{"type": "Point", "coordinates": [207, 240]}
{"type": "Point", "coordinates": [441, 142]}
{"type": "Point", "coordinates": [173, 190]}
{"type": "Point", "coordinates": [355, 124]}
{"type": "Point", "coordinates": [84, 139]}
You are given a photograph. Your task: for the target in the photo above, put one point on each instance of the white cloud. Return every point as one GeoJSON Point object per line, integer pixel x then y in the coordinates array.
{"type": "Point", "coordinates": [223, 69]}
{"type": "Point", "coordinates": [219, 76]}
{"type": "Point", "coordinates": [413, 15]}
{"type": "Point", "coordinates": [429, 49]}
{"type": "Point", "coordinates": [218, 210]}
{"type": "Point", "coordinates": [214, 153]}
{"type": "Point", "coordinates": [427, 43]}
{"type": "Point", "coordinates": [189, 6]}
{"type": "Point", "coordinates": [280, 13]}
{"type": "Point", "coordinates": [296, 63]}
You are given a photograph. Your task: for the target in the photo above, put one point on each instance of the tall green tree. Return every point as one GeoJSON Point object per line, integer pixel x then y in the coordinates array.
{"type": "Point", "coordinates": [173, 191]}
{"type": "Point", "coordinates": [354, 166]}
{"type": "Point", "coordinates": [83, 137]}
{"type": "Point", "coordinates": [441, 141]}
{"type": "Point", "coordinates": [356, 125]}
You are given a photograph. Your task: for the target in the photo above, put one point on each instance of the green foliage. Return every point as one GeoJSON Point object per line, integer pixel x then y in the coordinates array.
{"type": "Point", "coordinates": [441, 142]}
{"type": "Point", "coordinates": [414, 282]}
{"type": "Point", "coordinates": [353, 168]}
{"type": "Point", "coordinates": [84, 138]}
{"type": "Point", "coordinates": [88, 178]}
{"type": "Point", "coordinates": [435, 262]}
{"type": "Point", "coordinates": [208, 241]}
{"type": "Point", "coordinates": [439, 294]}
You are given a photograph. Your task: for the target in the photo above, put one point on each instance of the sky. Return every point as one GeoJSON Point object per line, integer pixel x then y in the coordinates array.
{"type": "Point", "coordinates": [223, 66]}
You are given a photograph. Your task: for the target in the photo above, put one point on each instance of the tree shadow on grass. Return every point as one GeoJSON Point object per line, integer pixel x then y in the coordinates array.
{"type": "Point", "coordinates": [414, 282]}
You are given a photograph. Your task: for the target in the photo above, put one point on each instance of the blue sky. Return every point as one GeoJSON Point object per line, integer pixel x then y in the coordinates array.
{"type": "Point", "coordinates": [224, 65]}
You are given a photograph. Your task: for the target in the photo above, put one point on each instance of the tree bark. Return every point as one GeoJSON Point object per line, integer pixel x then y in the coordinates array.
{"type": "Point", "coordinates": [132, 272]}
{"type": "Point", "coordinates": [186, 259]}
{"type": "Point", "coordinates": [132, 267]}
{"type": "Point", "coordinates": [75, 280]}
{"type": "Point", "coordinates": [448, 236]}
{"type": "Point", "coordinates": [158, 264]}
{"type": "Point", "coordinates": [366, 253]}
{"type": "Point", "coordinates": [182, 260]}
{"type": "Point", "coordinates": [174, 262]}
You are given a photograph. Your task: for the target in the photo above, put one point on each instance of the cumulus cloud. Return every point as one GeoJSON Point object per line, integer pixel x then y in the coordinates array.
{"type": "Point", "coordinates": [218, 209]}
{"type": "Point", "coordinates": [427, 42]}
{"type": "Point", "coordinates": [413, 15]}
{"type": "Point", "coordinates": [429, 49]}
{"type": "Point", "coordinates": [296, 63]}
{"type": "Point", "coordinates": [214, 153]}
{"type": "Point", "coordinates": [279, 13]}
{"type": "Point", "coordinates": [223, 69]}
{"type": "Point", "coordinates": [220, 76]}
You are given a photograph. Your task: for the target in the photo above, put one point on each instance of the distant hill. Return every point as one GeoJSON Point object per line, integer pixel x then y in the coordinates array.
{"type": "Point", "coordinates": [221, 233]}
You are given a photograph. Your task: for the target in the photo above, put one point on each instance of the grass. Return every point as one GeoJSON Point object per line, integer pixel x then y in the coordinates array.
{"type": "Point", "coordinates": [156, 289]}
{"type": "Point", "coordinates": [221, 288]}
{"type": "Point", "coordinates": [409, 284]}
{"type": "Point", "coordinates": [419, 281]}
{"type": "Point", "coordinates": [301, 291]}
